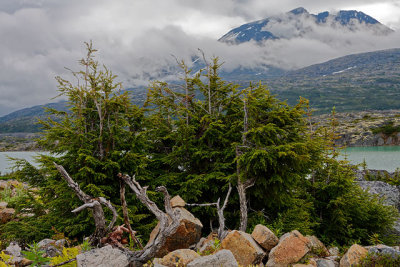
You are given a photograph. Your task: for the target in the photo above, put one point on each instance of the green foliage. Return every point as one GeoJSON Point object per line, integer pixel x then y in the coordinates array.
{"type": "Point", "coordinates": [379, 260]}
{"type": "Point", "coordinates": [343, 211]}
{"type": "Point", "coordinates": [5, 259]}
{"type": "Point", "coordinates": [95, 140]}
{"type": "Point", "coordinates": [35, 254]}
{"type": "Point", "coordinates": [67, 254]}
{"type": "Point", "coordinates": [388, 128]}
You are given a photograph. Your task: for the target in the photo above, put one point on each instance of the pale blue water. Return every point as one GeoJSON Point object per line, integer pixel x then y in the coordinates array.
{"type": "Point", "coordinates": [6, 164]}
{"type": "Point", "coordinates": [377, 157]}
{"type": "Point", "coordinates": [380, 158]}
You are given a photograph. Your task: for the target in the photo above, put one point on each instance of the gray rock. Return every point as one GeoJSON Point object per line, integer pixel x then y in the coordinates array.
{"type": "Point", "coordinates": [221, 258]}
{"type": "Point", "coordinates": [3, 205]}
{"type": "Point", "coordinates": [326, 263]}
{"type": "Point", "coordinates": [45, 243]}
{"type": "Point", "coordinates": [385, 250]}
{"type": "Point", "coordinates": [103, 257]}
{"type": "Point", "coordinates": [389, 193]}
{"type": "Point", "coordinates": [13, 249]}
{"type": "Point", "coordinates": [334, 251]}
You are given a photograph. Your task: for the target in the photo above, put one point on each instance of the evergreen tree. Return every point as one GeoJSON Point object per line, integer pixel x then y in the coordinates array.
{"type": "Point", "coordinates": [97, 139]}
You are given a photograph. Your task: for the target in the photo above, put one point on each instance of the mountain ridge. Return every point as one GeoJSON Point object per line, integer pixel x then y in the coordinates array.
{"type": "Point", "coordinates": [299, 22]}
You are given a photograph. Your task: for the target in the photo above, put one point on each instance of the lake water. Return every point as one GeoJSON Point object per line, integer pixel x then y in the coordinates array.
{"type": "Point", "coordinates": [5, 163]}
{"type": "Point", "coordinates": [377, 157]}
{"type": "Point", "coordinates": [380, 158]}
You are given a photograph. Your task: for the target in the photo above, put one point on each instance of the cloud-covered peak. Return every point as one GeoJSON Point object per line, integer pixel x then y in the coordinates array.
{"type": "Point", "coordinates": [300, 23]}
{"type": "Point", "coordinates": [298, 11]}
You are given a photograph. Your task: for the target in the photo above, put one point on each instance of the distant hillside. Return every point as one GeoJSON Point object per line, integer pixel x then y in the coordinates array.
{"type": "Point", "coordinates": [356, 82]}
{"type": "Point", "coordinates": [24, 120]}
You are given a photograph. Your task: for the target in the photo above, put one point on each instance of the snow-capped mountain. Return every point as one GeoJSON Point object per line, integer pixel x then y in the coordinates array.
{"type": "Point", "coordinates": [300, 23]}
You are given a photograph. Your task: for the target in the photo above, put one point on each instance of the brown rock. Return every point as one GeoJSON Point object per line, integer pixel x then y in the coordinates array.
{"type": "Point", "coordinates": [6, 215]}
{"type": "Point", "coordinates": [353, 256]}
{"type": "Point", "coordinates": [264, 237]}
{"type": "Point", "coordinates": [3, 205]}
{"type": "Point", "coordinates": [290, 249]}
{"type": "Point", "coordinates": [177, 201]}
{"type": "Point", "coordinates": [243, 247]}
{"type": "Point", "coordinates": [179, 258]}
{"type": "Point", "coordinates": [188, 233]}
{"type": "Point", "coordinates": [3, 185]}
{"type": "Point", "coordinates": [317, 247]}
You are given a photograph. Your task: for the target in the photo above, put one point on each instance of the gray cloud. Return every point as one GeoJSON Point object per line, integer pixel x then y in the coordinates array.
{"type": "Point", "coordinates": [137, 38]}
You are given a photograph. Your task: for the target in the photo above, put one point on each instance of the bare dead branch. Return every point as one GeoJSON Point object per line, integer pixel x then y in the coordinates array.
{"type": "Point", "coordinates": [92, 203]}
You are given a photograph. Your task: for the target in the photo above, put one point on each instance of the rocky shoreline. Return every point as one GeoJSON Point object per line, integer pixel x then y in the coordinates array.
{"type": "Point", "coordinates": [186, 247]}
{"type": "Point", "coordinates": [363, 128]}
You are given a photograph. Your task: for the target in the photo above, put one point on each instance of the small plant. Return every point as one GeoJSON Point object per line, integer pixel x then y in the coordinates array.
{"type": "Point", "coordinates": [67, 254]}
{"type": "Point", "coordinates": [4, 259]}
{"type": "Point", "coordinates": [35, 254]}
{"type": "Point", "coordinates": [376, 260]}
{"type": "Point", "coordinates": [85, 246]}
{"type": "Point", "coordinates": [374, 239]}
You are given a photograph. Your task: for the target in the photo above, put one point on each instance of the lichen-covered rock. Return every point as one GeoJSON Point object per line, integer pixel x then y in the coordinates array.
{"type": "Point", "coordinates": [103, 257]}
{"type": "Point", "coordinates": [179, 258]}
{"type": "Point", "coordinates": [264, 237]}
{"type": "Point", "coordinates": [317, 247]}
{"type": "Point", "coordinates": [385, 250]}
{"type": "Point", "coordinates": [6, 214]}
{"type": "Point", "coordinates": [353, 256]}
{"type": "Point", "coordinates": [13, 249]}
{"type": "Point", "coordinates": [327, 263]}
{"type": "Point", "coordinates": [334, 251]}
{"type": "Point", "coordinates": [187, 234]}
{"type": "Point", "coordinates": [3, 205]}
{"type": "Point", "coordinates": [243, 247]}
{"type": "Point", "coordinates": [290, 249]}
{"type": "Point", "coordinates": [221, 258]}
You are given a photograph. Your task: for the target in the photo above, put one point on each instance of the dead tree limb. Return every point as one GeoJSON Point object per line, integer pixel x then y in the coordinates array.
{"type": "Point", "coordinates": [168, 220]}
{"type": "Point", "coordinates": [125, 213]}
{"type": "Point", "coordinates": [92, 203]}
{"type": "Point", "coordinates": [220, 211]}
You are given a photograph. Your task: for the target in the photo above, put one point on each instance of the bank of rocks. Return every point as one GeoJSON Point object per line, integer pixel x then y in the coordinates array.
{"type": "Point", "coordinates": [185, 248]}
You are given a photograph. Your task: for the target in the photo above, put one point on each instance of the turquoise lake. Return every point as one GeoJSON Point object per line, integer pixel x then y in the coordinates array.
{"type": "Point", "coordinates": [380, 158]}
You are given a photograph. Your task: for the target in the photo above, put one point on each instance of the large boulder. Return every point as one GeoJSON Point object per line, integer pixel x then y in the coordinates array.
{"type": "Point", "coordinates": [264, 237]}
{"type": "Point", "coordinates": [179, 258]}
{"type": "Point", "coordinates": [221, 258]}
{"type": "Point", "coordinates": [187, 234]}
{"type": "Point", "coordinates": [353, 256]}
{"type": "Point", "coordinates": [243, 247]}
{"type": "Point", "coordinates": [291, 248]}
{"type": "Point", "coordinates": [103, 257]}
{"type": "Point", "coordinates": [6, 214]}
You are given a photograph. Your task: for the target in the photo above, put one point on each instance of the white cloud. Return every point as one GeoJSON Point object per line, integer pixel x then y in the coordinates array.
{"type": "Point", "coordinates": [41, 37]}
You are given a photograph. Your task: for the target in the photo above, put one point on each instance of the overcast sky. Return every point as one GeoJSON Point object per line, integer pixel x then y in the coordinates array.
{"type": "Point", "coordinates": [39, 38]}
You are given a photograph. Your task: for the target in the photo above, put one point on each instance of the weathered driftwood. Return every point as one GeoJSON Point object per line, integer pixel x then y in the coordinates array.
{"type": "Point", "coordinates": [125, 213]}
{"type": "Point", "coordinates": [94, 204]}
{"type": "Point", "coordinates": [220, 211]}
{"type": "Point", "coordinates": [168, 220]}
